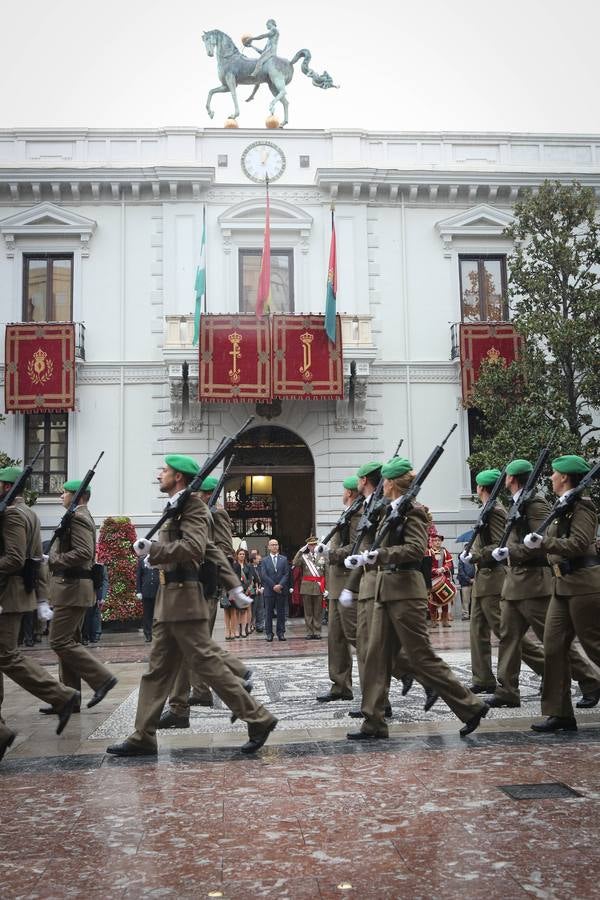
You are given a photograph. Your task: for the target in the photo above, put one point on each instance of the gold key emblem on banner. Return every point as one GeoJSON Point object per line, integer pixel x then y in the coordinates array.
{"type": "Point", "coordinates": [306, 340]}
{"type": "Point", "coordinates": [236, 354]}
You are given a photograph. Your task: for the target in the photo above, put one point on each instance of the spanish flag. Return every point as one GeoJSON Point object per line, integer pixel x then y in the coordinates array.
{"type": "Point", "coordinates": [263, 294]}
{"type": "Point", "coordinates": [330, 308]}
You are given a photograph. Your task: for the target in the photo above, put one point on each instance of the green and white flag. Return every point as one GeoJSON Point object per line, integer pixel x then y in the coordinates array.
{"type": "Point", "coordinates": [200, 285]}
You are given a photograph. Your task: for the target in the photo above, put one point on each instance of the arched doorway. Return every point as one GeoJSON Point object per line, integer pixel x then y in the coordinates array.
{"type": "Point", "coordinates": [270, 489]}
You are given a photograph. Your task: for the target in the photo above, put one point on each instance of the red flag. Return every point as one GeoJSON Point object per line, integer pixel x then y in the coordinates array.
{"type": "Point", "coordinates": [263, 294]}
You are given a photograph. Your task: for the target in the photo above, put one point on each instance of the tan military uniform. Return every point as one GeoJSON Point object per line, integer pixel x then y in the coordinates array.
{"type": "Point", "coordinates": [575, 604]}
{"type": "Point", "coordinates": [526, 593]}
{"type": "Point", "coordinates": [20, 531]}
{"type": "Point", "coordinates": [312, 598]}
{"type": "Point", "coordinates": [341, 629]}
{"type": "Point", "coordinates": [71, 593]}
{"type": "Point", "coordinates": [485, 606]}
{"type": "Point", "coordinates": [181, 629]}
{"type": "Point", "coordinates": [400, 620]}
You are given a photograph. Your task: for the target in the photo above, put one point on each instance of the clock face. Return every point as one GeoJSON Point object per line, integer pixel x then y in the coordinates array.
{"type": "Point", "coordinates": [263, 160]}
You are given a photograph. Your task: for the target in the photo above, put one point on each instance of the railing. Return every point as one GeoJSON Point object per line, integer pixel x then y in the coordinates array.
{"type": "Point", "coordinates": [79, 340]}
{"type": "Point", "coordinates": [455, 340]}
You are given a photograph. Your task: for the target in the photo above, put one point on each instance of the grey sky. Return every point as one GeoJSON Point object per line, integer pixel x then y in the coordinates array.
{"type": "Point", "coordinates": [514, 65]}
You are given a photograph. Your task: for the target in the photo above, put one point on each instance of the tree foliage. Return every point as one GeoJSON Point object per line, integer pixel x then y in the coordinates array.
{"type": "Point", "coordinates": [5, 460]}
{"type": "Point", "coordinates": [554, 299]}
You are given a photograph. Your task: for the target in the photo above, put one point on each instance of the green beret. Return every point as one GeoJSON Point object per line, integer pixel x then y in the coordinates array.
{"type": "Point", "coordinates": [519, 467]}
{"type": "Point", "coordinates": [351, 483]}
{"type": "Point", "coordinates": [395, 467]}
{"type": "Point", "coordinates": [73, 486]}
{"type": "Point", "coordinates": [10, 474]}
{"type": "Point", "coordinates": [368, 469]}
{"type": "Point", "coordinates": [566, 465]}
{"type": "Point", "coordinates": [488, 477]}
{"type": "Point", "coordinates": [209, 484]}
{"type": "Point", "coordinates": [184, 464]}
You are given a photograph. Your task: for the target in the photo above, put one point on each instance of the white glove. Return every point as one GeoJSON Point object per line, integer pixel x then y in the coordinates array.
{"type": "Point", "coordinates": [500, 554]}
{"type": "Point", "coordinates": [346, 598]}
{"type": "Point", "coordinates": [239, 598]}
{"type": "Point", "coordinates": [465, 557]}
{"type": "Point", "coordinates": [142, 547]}
{"type": "Point", "coordinates": [325, 595]}
{"type": "Point", "coordinates": [44, 558]}
{"type": "Point", "coordinates": [370, 557]}
{"type": "Point", "coordinates": [139, 596]}
{"type": "Point", "coordinates": [1, 608]}
{"type": "Point", "coordinates": [353, 562]}
{"type": "Point", "coordinates": [43, 610]}
{"type": "Point", "coordinates": [533, 540]}
{"type": "Point", "coordinates": [322, 550]}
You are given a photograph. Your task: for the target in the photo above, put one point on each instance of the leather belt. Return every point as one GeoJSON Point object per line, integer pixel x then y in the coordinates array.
{"type": "Point", "coordinates": [492, 565]}
{"type": "Point", "coordinates": [531, 564]}
{"type": "Point", "coordinates": [402, 567]}
{"type": "Point", "coordinates": [568, 566]}
{"type": "Point", "coordinates": [176, 577]}
{"type": "Point", "coordinates": [73, 573]}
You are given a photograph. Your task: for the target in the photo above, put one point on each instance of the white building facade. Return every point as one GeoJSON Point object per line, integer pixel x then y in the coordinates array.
{"type": "Point", "coordinates": [119, 214]}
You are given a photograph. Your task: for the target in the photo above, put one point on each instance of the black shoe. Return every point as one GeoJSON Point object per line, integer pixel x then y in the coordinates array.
{"type": "Point", "coordinates": [407, 683]}
{"type": "Point", "coordinates": [29, 642]}
{"type": "Point", "coordinates": [387, 713]}
{"type": "Point", "coordinates": [431, 698]}
{"type": "Point", "coordinates": [479, 689]}
{"type": "Point", "coordinates": [102, 691]}
{"type": "Point", "coordinates": [281, 637]}
{"type": "Point", "coordinates": [365, 736]}
{"type": "Point", "coordinates": [309, 637]}
{"type": "Point", "coordinates": [495, 702]}
{"type": "Point", "coordinates": [255, 743]}
{"type": "Point", "coordinates": [6, 743]}
{"type": "Point", "coordinates": [50, 711]}
{"type": "Point", "coordinates": [247, 685]}
{"type": "Point", "coordinates": [129, 749]}
{"type": "Point", "coordinates": [588, 700]}
{"type": "Point", "coordinates": [474, 721]}
{"type": "Point", "coordinates": [64, 713]}
{"type": "Point", "coordinates": [355, 714]}
{"type": "Point", "coordinates": [259, 630]}
{"type": "Point", "coordinates": [317, 637]}
{"type": "Point", "coordinates": [331, 698]}
{"type": "Point", "coordinates": [269, 638]}
{"type": "Point", "coordinates": [85, 642]}
{"type": "Point", "coordinates": [201, 701]}
{"type": "Point", "coordinates": [554, 723]}
{"type": "Point", "coordinates": [169, 719]}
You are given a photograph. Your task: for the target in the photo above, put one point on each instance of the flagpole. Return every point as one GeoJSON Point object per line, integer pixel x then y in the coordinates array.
{"type": "Point", "coordinates": [330, 323]}
{"type": "Point", "coordinates": [204, 233]}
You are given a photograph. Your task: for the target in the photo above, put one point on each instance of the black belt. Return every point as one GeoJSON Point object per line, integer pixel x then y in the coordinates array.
{"type": "Point", "coordinates": [73, 573]}
{"type": "Point", "coordinates": [402, 567]}
{"type": "Point", "coordinates": [532, 564]}
{"type": "Point", "coordinates": [568, 566]}
{"type": "Point", "coordinates": [492, 565]}
{"type": "Point", "coordinates": [176, 577]}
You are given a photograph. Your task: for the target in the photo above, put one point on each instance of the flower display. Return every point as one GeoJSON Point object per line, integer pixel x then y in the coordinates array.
{"type": "Point", "coordinates": [117, 534]}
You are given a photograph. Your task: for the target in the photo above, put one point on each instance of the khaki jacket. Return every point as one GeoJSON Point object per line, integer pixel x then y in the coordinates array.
{"type": "Point", "coordinates": [490, 574]}
{"type": "Point", "coordinates": [534, 579]}
{"type": "Point", "coordinates": [364, 579]}
{"type": "Point", "coordinates": [411, 548]}
{"type": "Point", "coordinates": [339, 548]}
{"type": "Point", "coordinates": [222, 530]}
{"type": "Point", "coordinates": [571, 537]}
{"type": "Point", "coordinates": [76, 549]}
{"type": "Point", "coordinates": [20, 539]}
{"type": "Point", "coordinates": [310, 588]}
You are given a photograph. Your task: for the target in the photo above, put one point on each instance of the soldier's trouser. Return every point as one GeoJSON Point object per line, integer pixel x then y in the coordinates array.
{"type": "Point", "coordinates": [516, 617]}
{"type": "Point", "coordinates": [341, 636]}
{"type": "Point", "coordinates": [313, 610]}
{"type": "Point", "coordinates": [399, 666]}
{"type": "Point", "coordinates": [75, 662]}
{"type": "Point", "coordinates": [27, 673]}
{"type": "Point", "coordinates": [189, 643]}
{"type": "Point", "coordinates": [485, 619]}
{"type": "Point", "coordinates": [5, 733]}
{"type": "Point", "coordinates": [403, 623]}
{"type": "Point", "coordinates": [568, 617]}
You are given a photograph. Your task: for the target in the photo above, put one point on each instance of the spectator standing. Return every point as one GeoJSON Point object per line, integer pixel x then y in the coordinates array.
{"type": "Point", "coordinates": [275, 577]}
{"type": "Point", "coordinates": [91, 631]}
{"type": "Point", "coordinates": [258, 607]}
{"type": "Point", "coordinates": [466, 579]}
{"type": "Point", "coordinates": [146, 586]}
{"type": "Point", "coordinates": [243, 570]}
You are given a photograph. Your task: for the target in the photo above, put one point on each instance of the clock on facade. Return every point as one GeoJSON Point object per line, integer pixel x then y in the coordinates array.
{"type": "Point", "coordinates": [263, 160]}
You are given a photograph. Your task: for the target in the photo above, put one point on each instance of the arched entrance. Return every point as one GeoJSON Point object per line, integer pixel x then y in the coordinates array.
{"type": "Point", "coordinates": [270, 489]}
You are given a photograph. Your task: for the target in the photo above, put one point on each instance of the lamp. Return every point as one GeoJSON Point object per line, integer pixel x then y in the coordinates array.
{"type": "Point", "coordinates": [259, 484]}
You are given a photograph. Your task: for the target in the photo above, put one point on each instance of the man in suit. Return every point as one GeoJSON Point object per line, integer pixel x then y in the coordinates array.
{"type": "Point", "coordinates": [21, 542]}
{"type": "Point", "coordinates": [275, 577]}
{"type": "Point", "coordinates": [181, 633]}
{"type": "Point", "coordinates": [72, 593]}
{"type": "Point", "coordinates": [146, 587]}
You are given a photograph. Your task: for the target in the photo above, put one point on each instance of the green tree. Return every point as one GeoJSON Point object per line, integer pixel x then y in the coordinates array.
{"type": "Point", "coordinates": [554, 298]}
{"type": "Point", "coordinates": [6, 460]}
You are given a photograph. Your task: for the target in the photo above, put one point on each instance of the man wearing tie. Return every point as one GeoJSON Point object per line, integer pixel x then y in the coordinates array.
{"type": "Point", "coordinates": [275, 577]}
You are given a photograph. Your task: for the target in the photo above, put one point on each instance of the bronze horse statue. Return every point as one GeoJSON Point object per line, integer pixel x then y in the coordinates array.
{"type": "Point", "coordinates": [234, 68]}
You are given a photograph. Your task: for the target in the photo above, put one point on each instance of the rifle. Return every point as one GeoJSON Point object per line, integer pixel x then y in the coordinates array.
{"type": "Point", "coordinates": [398, 515]}
{"type": "Point", "coordinates": [516, 510]}
{"type": "Point", "coordinates": [19, 484]}
{"type": "Point", "coordinates": [344, 519]}
{"type": "Point", "coordinates": [369, 519]}
{"type": "Point", "coordinates": [564, 504]}
{"type": "Point", "coordinates": [486, 512]}
{"type": "Point", "coordinates": [211, 463]}
{"type": "Point", "coordinates": [63, 525]}
{"type": "Point", "coordinates": [219, 486]}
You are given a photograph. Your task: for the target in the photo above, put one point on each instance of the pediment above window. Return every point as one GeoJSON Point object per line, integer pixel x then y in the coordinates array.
{"type": "Point", "coordinates": [250, 216]}
{"type": "Point", "coordinates": [481, 221]}
{"type": "Point", "coordinates": [46, 220]}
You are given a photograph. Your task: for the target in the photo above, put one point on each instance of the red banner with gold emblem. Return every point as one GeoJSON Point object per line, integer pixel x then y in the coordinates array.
{"type": "Point", "coordinates": [235, 359]}
{"type": "Point", "coordinates": [495, 341]}
{"type": "Point", "coordinates": [306, 364]}
{"type": "Point", "coordinates": [39, 367]}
